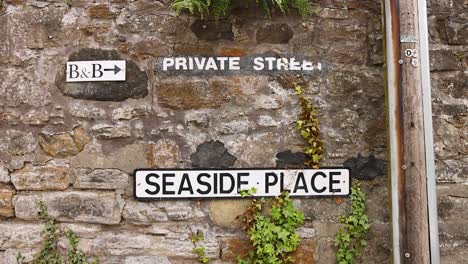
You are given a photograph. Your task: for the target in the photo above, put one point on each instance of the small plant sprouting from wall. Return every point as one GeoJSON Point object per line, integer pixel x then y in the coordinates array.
{"type": "Point", "coordinates": [219, 8]}
{"type": "Point", "coordinates": [199, 250]}
{"type": "Point", "coordinates": [273, 235]}
{"type": "Point", "coordinates": [350, 240]}
{"type": "Point", "coordinates": [309, 127]}
{"type": "Point", "coordinates": [49, 253]}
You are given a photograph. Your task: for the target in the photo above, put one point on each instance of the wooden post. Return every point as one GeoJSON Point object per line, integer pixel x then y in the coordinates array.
{"type": "Point", "coordinates": [406, 134]}
{"type": "Point", "coordinates": [417, 244]}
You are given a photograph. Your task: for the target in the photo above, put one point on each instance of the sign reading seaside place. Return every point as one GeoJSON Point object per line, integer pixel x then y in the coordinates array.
{"type": "Point", "coordinates": [210, 183]}
{"type": "Point", "coordinates": [95, 71]}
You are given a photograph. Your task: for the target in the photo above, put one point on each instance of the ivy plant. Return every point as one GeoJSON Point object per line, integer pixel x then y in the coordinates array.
{"type": "Point", "coordinates": [273, 235]}
{"type": "Point", "coordinates": [350, 240]}
{"type": "Point", "coordinates": [49, 253]}
{"type": "Point", "coordinates": [219, 8]}
{"type": "Point", "coordinates": [199, 250]}
{"type": "Point", "coordinates": [309, 127]}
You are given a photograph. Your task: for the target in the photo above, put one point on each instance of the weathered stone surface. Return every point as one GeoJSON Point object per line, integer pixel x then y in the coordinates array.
{"type": "Point", "coordinates": [4, 175]}
{"type": "Point", "coordinates": [52, 176]}
{"type": "Point", "coordinates": [109, 131]}
{"type": "Point", "coordinates": [288, 159]}
{"type": "Point", "coordinates": [88, 207]}
{"type": "Point", "coordinates": [135, 86]}
{"type": "Point", "coordinates": [274, 33]}
{"type": "Point", "coordinates": [233, 247]}
{"type": "Point", "coordinates": [86, 178]}
{"type": "Point", "coordinates": [212, 154]}
{"type": "Point", "coordinates": [19, 235]}
{"type": "Point", "coordinates": [443, 60]}
{"type": "Point", "coordinates": [100, 11]}
{"type": "Point", "coordinates": [143, 212]}
{"type": "Point", "coordinates": [191, 94]}
{"type": "Point", "coordinates": [366, 168]}
{"type": "Point", "coordinates": [212, 30]}
{"type": "Point", "coordinates": [81, 110]}
{"type": "Point", "coordinates": [146, 260]}
{"type": "Point", "coordinates": [35, 118]}
{"type": "Point", "coordinates": [150, 48]}
{"type": "Point", "coordinates": [457, 29]}
{"type": "Point", "coordinates": [225, 212]}
{"type": "Point", "coordinates": [306, 252]}
{"type": "Point", "coordinates": [125, 158]}
{"type": "Point", "coordinates": [130, 112]}
{"type": "Point", "coordinates": [65, 144]}
{"type": "Point", "coordinates": [164, 154]}
{"type": "Point", "coordinates": [6, 204]}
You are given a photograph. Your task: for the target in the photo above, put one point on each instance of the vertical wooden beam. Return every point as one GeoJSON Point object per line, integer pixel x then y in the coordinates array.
{"type": "Point", "coordinates": [407, 156]}
{"type": "Point", "coordinates": [417, 228]}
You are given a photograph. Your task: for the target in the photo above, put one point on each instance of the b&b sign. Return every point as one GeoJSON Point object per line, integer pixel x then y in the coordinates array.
{"type": "Point", "coordinates": [210, 183]}
{"type": "Point", "coordinates": [95, 71]}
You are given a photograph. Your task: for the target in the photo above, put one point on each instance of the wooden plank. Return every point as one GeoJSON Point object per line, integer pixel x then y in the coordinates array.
{"type": "Point", "coordinates": [415, 243]}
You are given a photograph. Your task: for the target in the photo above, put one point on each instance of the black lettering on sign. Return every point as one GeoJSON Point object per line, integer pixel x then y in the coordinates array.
{"type": "Point", "coordinates": [97, 70]}
{"type": "Point", "coordinates": [73, 70]}
{"type": "Point", "coordinates": [222, 184]}
{"type": "Point", "coordinates": [300, 180]}
{"type": "Point", "coordinates": [149, 182]}
{"type": "Point", "coordinates": [165, 183]}
{"type": "Point", "coordinates": [204, 183]}
{"type": "Point", "coordinates": [333, 181]}
{"type": "Point", "coordinates": [185, 181]}
{"type": "Point", "coordinates": [240, 182]}
{"type": "Point", "coordinates": [215, 183]}
{"type": "Point", "coordinates": [312, 182]}
{"type": "Point", "coordinates": [269, 182]}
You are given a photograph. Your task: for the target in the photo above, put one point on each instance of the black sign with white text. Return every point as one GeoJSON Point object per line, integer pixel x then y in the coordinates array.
{"type": "Point", "coordinates": [211, 183]}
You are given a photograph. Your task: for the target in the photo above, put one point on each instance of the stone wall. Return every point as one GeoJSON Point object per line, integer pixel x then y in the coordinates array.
{"type": "Point", "coordinates": [75, 146]}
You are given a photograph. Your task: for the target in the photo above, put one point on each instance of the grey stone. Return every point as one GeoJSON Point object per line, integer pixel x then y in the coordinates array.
{"type": "Point", "coordinates": [88, 207]}
{"type": "Point", "coordinates": [289, 159]}
{"type": "Point", "coordinates": [366, 168]}
{"type": "Point", "coordinates": [4, 175]}
{"type": "Point", "coordinates": [212, 154]}
{"type": "Point", "coordinates": [130, 112]}
{"type": "Point", "coordinates": [86, 178]}
{"type": "Point", "coordinates": [35, 118]}
{"type": "Point", "coordinates": [443, 60]}
{"type": "Point", "coordinates": [20, 235]}
{"type": "Point", "coordinates": [457, 29]}
{"type": "Point", "coordinates": [212, 30]}
{"type": "Point", "coordinates": [146, 260]}
{"type": "Point", "coordinates": [143, 212]}
{"type": "Point", "coordinates": [274, 33]}
{"type": "Point", "coordinates": [135, 86]}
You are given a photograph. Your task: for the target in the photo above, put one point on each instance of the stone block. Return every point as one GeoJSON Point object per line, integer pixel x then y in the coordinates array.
{"type": "Point", "coordinates": [87, 207]}
{"type": "Point", "coordinates": [226, 212]}
{"type": "Point", "coordinates": [125, 158]}
{"type": "Point", "coordinates": [274, 33]}
{"type": "Point", "coordinates": [4, 174]}
{"type": "Point", "coordinates": [443, 60]}
{"type": "Point", "coordinates": [164, 154]}
{"type": "Point", "coordinates": [192, 94]}
{"type": "Point", "coordinates": [100, 11]}
{"type": "Point", "coordinates": [143, 212]}
{"type": "Point", "coordinates": [19, 235]}
{"type": "Point", "coordinates": [130, 112]}
{"type": "Point", "coordinates": [35, 118]}
{"type": "Point", "coordinates": [212, 30]}
{"type": "Point", "coordinates": [212, 154]}
{"type": "Point", "coordinates": [6, 202]}
{"type": "Point", "coordinates": [86, 178]}
{"type": "Point", "coordinates": [54, 175]}
{"type": "Point", "coordinates": [110, 131]}
{"type": "Point", "coordinates": [64, 144]}
{"type": "Point", "coordinates": [457, 29]}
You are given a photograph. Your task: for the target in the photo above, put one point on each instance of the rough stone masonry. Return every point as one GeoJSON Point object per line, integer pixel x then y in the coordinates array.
{"type": "Point", "coordinates": [75, 146]}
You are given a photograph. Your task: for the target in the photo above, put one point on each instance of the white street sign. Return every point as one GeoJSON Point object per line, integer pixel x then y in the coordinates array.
{"type": "Point", "coordinates": [209, 183]}
{"type": "Point", "coordinates": [95, 71]}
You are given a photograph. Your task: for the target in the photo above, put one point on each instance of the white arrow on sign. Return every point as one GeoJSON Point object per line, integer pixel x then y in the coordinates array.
{"type": "Point", "coordinates": [95, 71]}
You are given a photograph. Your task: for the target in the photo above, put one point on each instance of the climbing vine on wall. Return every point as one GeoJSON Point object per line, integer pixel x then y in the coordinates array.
{"type": "Point", "coordinates": [219, 8]}
{"type": "Point", "coordinates": [273, 235]}
{"type": "Point", "coordinates": [350, 239]}
{"type": "Point", "coordinates": [49, 253]}
{"type": "Point", "coordinates": [309, 127]}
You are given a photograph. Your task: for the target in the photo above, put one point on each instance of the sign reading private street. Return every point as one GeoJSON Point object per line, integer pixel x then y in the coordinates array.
{"type": "Point", "coordinates": [95, 71]}
{"type": "Point", "coordinates": [210, 183]}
